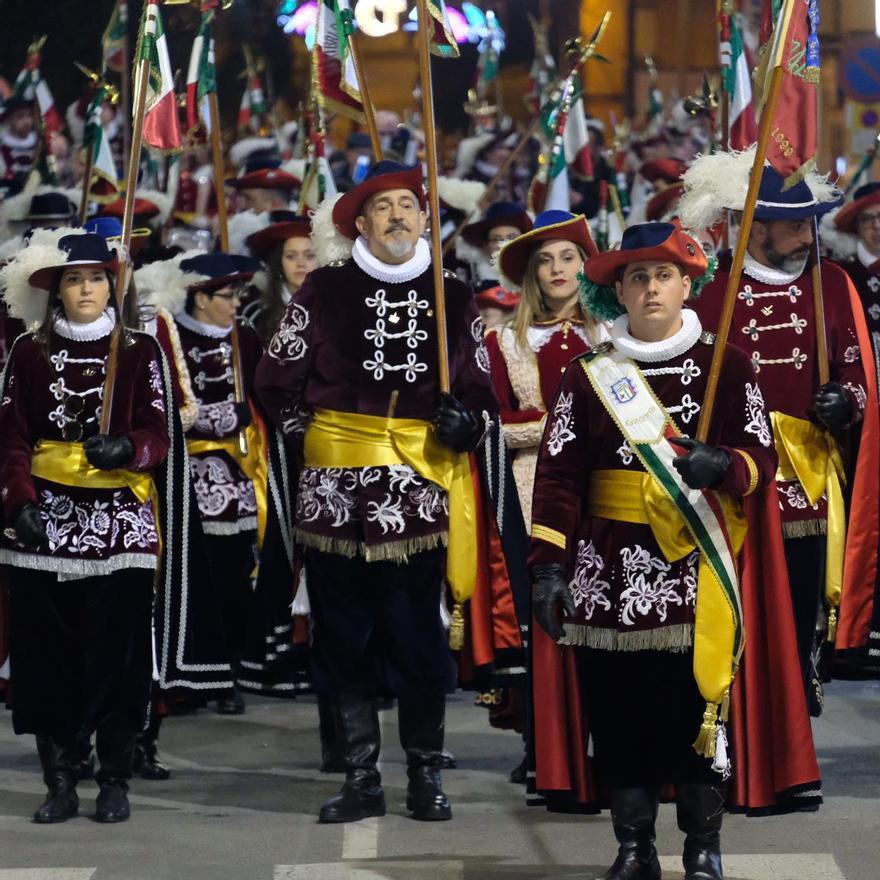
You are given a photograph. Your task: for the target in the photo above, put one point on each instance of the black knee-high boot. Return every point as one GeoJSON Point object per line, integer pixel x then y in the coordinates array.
{"type": "Point", "coordinates": [422, 722]}
{"type": "Point", "coordinates": [147, 763]}
{"type": "Point", "coordinates": [633, 814]}
{"type": "Point", "coordinates": [57, 761]}
{"type": "Point", "coordinates": [361, 794]}
{"type": "Point", "coordinates": [115, 747]}
{"type": "Point", "coordinates": [332, 757]}
{"type": "Point", "coordinates": [700, 811]}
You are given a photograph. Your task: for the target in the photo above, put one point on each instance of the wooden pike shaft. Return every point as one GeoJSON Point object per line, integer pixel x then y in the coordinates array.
{"type": "Point", "coordinates": [434, 199]}
{"type": "Point", "coordinates": [733, 280]}
{"type": "Point", "coordinates": [369, 114]}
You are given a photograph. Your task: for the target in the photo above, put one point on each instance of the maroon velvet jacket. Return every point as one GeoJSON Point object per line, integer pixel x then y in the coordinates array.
{"type": "Point", "coordinates": [346, 342]}
{"type": "Point", "coordinates": [774, 323]}
{"type": "Point", "coordinates": [91, 531]}
{"type": "Point", "coordinates": [867, 282]}
{"type": "Point", "coordinates": [627, 595]}
{"type": "Point", "coordinates": [225, 495]}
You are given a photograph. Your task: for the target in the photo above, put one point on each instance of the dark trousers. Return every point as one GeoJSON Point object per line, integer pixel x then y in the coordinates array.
{"type": "Point", "coordinates": [805, 560]}
{"type": "Point", "coordinates": [230, 563]}
{"type": "Point", "coordinates": [376, 625]}
{"type": "Point", "coordinates": [81, 656]}
{"type": "Point", "coordinates": [644, 712]}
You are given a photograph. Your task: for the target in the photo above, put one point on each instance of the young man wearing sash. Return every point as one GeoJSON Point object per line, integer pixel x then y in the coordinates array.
{"type": "Point", "coordinates": [635, 537]}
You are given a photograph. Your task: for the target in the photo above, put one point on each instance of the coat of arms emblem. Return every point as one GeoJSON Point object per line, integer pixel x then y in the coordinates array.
{"type": "Point", "coordinates": [623, 390]}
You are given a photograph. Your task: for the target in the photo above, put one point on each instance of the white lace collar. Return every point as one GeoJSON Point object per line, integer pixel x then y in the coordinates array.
{"type": "Point", "coordinates": [665, 349]}
{"type": "Point", "coordinates": [866, 258]}
{"type": "Point", "coordinates": [210, 330]}
{"type": "Point", "coordinates": [769, 275]}
{"type": "Point", "coordinates": [392, 274]}
{"type": "Point", "coordinates": [286, 295]}
{"type": "Point", "coordinates": [20, 143]}
{"type": "Point", "coordinates": [97, 329]}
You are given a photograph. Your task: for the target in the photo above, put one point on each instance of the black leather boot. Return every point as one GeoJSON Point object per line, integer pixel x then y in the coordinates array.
{"type": "Point", "coordinates": [700, 811]}
{"type": "Point", "coordinates": [62, 802]}
{"type": "Point", "coordinates": [361, 795]}
{"type": "Point", "coordinates": [332, 757]}
{"type": "Point", "coordinates": [146, 763]}
{"type": "Point", "coordinates": [231, 705]}
{"type": "Point", "coordinates": [633, 814]}
{"type": "Point", "coordinates": [422, 721]}
{"type": "Point", "coordinates": [84, 759]}
{"type": "Point", "coordinates": [115, 747]}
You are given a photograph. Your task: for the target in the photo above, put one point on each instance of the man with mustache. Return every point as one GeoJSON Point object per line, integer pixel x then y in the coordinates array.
{"type": "Point", "coordinates": [351, 378]}
{"type": "Point", "coordinates": [774, 322]}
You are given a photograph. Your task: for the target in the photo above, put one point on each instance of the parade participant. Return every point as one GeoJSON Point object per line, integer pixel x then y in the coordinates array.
{"type": "Point", "coordinates": [354, 365]}
{"type": "Point", "coordinates": [285, 247]}
{"type": "Point", "coordinates": [636, 531]}
{"type": "Point", "coordinates": [481, 241]}
{"type": "Point", "coordinates": [264, 186]}
{"type": "Point", "coordinates": [19, 140]}
{"type": "Point", "coordinates": [81, 542]}
{"type": "Point", "coordinates": [229, 484]}
{"type": "Point", "coordinates": [774, 322]}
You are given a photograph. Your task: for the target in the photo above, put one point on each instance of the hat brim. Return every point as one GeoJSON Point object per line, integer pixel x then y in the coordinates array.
{"type": "Point", "coordinates": [604, 268]}
{"type": "Point", "coordinates": [514, 256]}
{"type": "Point", "coordinates": [211, 284]}
{"type": "Point", "coordinates": [661, 204]}
{"type": "Point", "coordinates": [668, 170]}
{"type": "Point", "coordinates": [263, 242]}
{"type": "Point", "coordinates": [265, 179]}
{"type": "Point", "coordinates": [497, 297]}
{"type": "Point", "coordinates": [847, 219]}
{"type": "Point", "coordinates": [477, 233]}
{"type": "Point", "coordinates": [767, 212]}
{"type": "Point", "coordinates": [348, 208]}
{"type": "Point", "coordinates": [143, 208]}
{"type": "Point", "coordinates": [47, 278]}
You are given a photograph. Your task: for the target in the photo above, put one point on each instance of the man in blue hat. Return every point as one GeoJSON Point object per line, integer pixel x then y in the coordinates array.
{"type": "Point", "coordinates": [351, 376]}
{"type": "Point", "coordinates": [775, 322]}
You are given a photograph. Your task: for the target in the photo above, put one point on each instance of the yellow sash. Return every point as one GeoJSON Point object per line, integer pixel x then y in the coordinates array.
{"type": "Point", "coordinates": [65, 463]}
{"type": "Point", "coordinates": [811, 455]}
{"type": "Point", "coordinates": [253, 465]}
{"type": "Point", "coordinates": [349, 440]}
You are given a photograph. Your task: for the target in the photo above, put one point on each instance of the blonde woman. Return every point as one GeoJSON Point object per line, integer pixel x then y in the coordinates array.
{"type": "Point", "coordinates": [529, 352]}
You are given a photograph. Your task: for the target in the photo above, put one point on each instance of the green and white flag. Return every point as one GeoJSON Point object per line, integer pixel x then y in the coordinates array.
{"type": "Point", "coordinates": [161, 121]}
{"type": "Point", "coordinates": [104, 183]}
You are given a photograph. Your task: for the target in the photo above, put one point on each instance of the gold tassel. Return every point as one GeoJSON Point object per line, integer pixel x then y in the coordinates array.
{"type": "Point", "coordinates": [705, 742]}
{"type": "Point", "coordinates": [725, 706]}
{"type": "Point", "coordinates": [456, 628]}
{"type": "Point", "coordinates": [832, 625]}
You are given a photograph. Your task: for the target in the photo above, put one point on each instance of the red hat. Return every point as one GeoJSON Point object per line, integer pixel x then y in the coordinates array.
{"type": "Point", "coordinates": [382, 176]}
{"type": "Point", "coordinates": [282, 226]}
{"type": "Point", "coordinates": [647, 242]}
{"type": "Point", "coordinates": [265, 178]}
{"type": "Point", "coordinates": [497, 297]}
{"type": "Point", "coordinates": [143, 208]}
{"type": "Point", "coordinates": [499, 214]}
{"type": "Point", "coordinates": [848, 216]}
{"type": "Point", "coordinates": [668, 170]}
{"type": "Point", "coordinates": [664, 202]}
{"type": "Point", "coordinates": [514, 256]}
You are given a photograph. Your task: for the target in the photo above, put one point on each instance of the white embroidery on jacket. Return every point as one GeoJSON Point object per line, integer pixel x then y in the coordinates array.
{"type": "Point", "coordinates": [649, 587]}
{"type": "Point", "coordinates": [586, 588]}
{"type": "Point", "coordinates": [560, 430]}
{"type": "Point", "coordinates": [757, 420]}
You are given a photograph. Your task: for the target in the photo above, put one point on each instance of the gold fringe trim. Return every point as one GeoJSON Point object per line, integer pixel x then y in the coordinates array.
{"type": "Point", "coordinates": [676, 638]}
{"type": "Point", "coordinates": [456, 628]}
{"type": "Point", "coordinates": [804, 528]}
{"type": "Point", "coordinates": [390, 551]}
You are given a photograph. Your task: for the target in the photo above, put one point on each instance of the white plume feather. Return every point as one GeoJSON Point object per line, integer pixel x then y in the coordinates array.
{"type": "Point", "coordinates": [161, 200]}
{"type": "Point", "coordinates": [241, 150]}
{"type": "Point", "coordinates": [841, 246]}
{"type": "Point", "coordinates": [463, 195]}
{"type": "Point", "coordinates": [243, 224]}
{"type": "Point", "coordinates": [468, 150]}
{"type": "Point", "coordinates": [163, 284]}
{"type": "Point", "coordinates": [330, 244]}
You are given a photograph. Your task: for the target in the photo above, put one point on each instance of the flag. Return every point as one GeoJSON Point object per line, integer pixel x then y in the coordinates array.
{"type": "Point", "coordinates": [253, 104]}
{"type": "Point", "coordinates": [550, 189]}
{"type": "Point", "coordinates": [338, 89]}
{"type": "Point", "coordinates": [792, 146]}
{"type": "Point", "coordinates": [543, 70]}
{"type": "Point", "coordinates": [161, 121]}
{"type": "Point", "coordinates": [318, 184]}
{"type": "Point", "coordinates": [201, 77]}
{"type": "Point", "coordinates": [105, 187]}
{"type": "Point", "coordinates": [31, 86]}
{"type": "Point", "coordinates": [443, 42]}
{"type": "Point", "coordinates": [114, 38]}
{"type": "Point", "coordinates": [738, 85]}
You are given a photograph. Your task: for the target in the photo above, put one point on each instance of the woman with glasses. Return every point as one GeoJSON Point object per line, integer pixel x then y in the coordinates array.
{"type": "Point", "coordinates": [226, 461]}
{"type": "Point", "coordinates": [80, 542]}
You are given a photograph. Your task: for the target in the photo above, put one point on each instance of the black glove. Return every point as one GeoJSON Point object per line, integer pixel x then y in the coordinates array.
{"type": "Point", "coordinates": [703, 466]}
{"type": "Point", "coordinates": [108, 453]}
{"type": "Point", "coordinates": [550, 590]}
{"type": "Point", "coordinates": [454, 425]}
{"type": "Point", "coordinates": [243, 414]}
{"type": "Point", "coordinates": [29, 527]}
{"type": "Point", "coordinates": [833, 408]}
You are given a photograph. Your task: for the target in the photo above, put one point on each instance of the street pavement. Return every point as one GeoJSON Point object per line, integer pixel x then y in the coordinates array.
{"type": "Point", "coordinates": [244, 793]}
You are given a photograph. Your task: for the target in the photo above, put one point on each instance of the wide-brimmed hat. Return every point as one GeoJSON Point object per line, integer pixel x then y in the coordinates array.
{"type": "Point", "coordinates": [795, 203]}
{"type": "Point", "coordinates": [496, 297]}
{"type": "Point", "coordinates": [80, 250]}
{"type": "Point", "coordinates": [382, 176]}
{"type": "Point", "coordinates": [663, 202]}
{"type": "Point", "coordinates": [264, 173]}
{"type": "Point", "coordinates": [219, 269]}
{"type": "Point", "coordinates": [282, 226]}
{"type": "Point", "coordinates": [110, 229]}
{"type": "Point", "coordinates": [863, 198]}
{"type": "Point", "coordinates": [50, 206]}
{"type": "Point", "coordinates": [514, 256]}
{"type": "Point", "coordinates": [499, 214]}
{"type": "Point", "coordinates": [144, 209]}
{"type": "Point", "coordinates": [669, 170]}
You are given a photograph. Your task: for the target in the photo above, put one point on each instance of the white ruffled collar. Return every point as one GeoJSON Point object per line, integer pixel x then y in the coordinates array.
{"type": "Point", "coordinates": [211, 330]}
{"type": "Point", "coordinates": [768, 274]}
{"type": "Point", "coordinates": [386, 272]}
{"type": "Point", "coordinates": [866, 258]}
{"type": "Point", "coordinates": [665, 349]}
{"type": "Point", "coordinates": [97, 329]}
{"type": "Point", "coordinates": [286, 295]}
